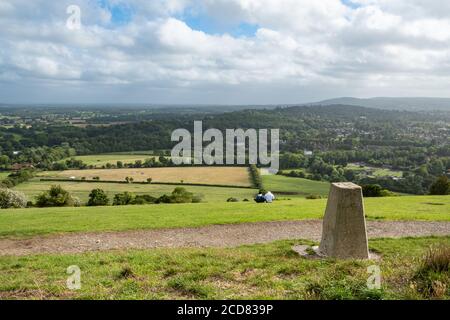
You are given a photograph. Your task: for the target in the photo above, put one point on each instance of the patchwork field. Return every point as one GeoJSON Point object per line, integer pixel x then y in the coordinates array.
{"type": "Point", "coordinates": [295, 186]}
{"type": "Point", "coordinates": [29, 222]}
{"type": "Point", "coordinates": [82, 190]}
{"type": "Point", "coordinates": [232, 176]}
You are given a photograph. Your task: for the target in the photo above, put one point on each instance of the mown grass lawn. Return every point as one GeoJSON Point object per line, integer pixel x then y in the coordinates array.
{"type": "Point", "coordinates": [272, 271]}
{"type": "Point", "coordinates": [30, 222]}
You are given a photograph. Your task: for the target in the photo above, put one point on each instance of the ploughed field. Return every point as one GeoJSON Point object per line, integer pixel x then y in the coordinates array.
{"type": "Point", "coordinates": [229, 176]}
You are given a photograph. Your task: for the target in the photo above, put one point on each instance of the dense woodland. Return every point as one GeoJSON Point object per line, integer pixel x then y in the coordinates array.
{"type": "Point", "coordinates": [415, 143]}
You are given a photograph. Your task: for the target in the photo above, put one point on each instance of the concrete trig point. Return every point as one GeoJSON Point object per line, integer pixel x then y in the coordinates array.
{"type": "Point", "coordinates": [344, 234]}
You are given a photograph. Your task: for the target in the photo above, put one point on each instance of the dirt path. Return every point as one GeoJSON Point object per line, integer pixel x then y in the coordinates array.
{"type": "Point", "coordinates": [210, 236]}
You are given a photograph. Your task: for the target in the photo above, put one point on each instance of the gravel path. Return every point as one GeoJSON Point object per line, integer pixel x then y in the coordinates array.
{"type": "Point", "coordinates": [210, 236]}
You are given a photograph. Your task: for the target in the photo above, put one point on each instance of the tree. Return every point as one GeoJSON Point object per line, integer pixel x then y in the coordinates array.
{"type": "Point", "coordinates": [149, 180]}
{"type": "Point", "coordinates": [56, 197]}
{"type": "Point", "coordinates": [12, 199]}
{"type": "Point", "coordinates": [441, 186]}
{"type": "Point", "coordinates": [98, 197]}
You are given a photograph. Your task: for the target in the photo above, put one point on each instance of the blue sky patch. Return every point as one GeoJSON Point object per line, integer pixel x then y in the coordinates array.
{"type": "Point", "coordinates": [204, 23]}
{"type": "Point", "coordinates": [121, 13]}
{"type": "Point", "coordinates": [351, 4]}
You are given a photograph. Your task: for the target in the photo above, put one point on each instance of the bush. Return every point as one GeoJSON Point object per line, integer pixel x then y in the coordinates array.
{"type": "Point", "coordinates": [440, 187]}
{"type": "Point", "coordinates": [372, 191]}
{"type": "Point", "coordinates": [123, 199]}
{"type": "Point", "coordinates": [144, 199]}
{"type": "Point", "coordinates": [56, 197]}
{"type": "Point", "coordinates": [12, 199]}
{"type": "Point", "coordinates": [179, 195]}
{"type": "Point", "coordinates": [17, 177]}
{"type": "Point", "coordinates": [232, 200]}
{"type": "Point", "coordinates": [313, 197]}
{"type": "Point", "coordinates": [197, 199]}
{"type": "Point", "coordinates": [98, 197]}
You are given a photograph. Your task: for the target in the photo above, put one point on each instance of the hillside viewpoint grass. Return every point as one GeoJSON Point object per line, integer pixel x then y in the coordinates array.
{"type": "Point", "coordinates": [31, 222]}
{"type": "Point", "coordinates": [271, 271]}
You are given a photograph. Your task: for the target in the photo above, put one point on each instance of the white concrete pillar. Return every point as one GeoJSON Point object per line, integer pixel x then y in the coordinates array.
{"type": "Point", "coordinates": [344, 234]}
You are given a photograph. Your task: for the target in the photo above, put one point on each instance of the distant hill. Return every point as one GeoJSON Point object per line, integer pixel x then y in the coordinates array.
{"type": "Point", "coordinates": [411, 104]}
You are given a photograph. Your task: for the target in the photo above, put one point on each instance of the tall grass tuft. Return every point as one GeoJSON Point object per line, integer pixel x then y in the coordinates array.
{"type": "Point", "coordinates": [432, 278]}
{"type": "Point", "coordinates": [437, 259]}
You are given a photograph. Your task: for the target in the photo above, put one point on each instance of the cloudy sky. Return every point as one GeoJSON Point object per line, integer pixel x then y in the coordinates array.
{"type": "Point", "coordinates": [222, 51]}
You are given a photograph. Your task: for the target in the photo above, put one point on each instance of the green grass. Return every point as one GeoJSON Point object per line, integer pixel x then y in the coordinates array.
{"type": "Point", "coordinates": [271, 271]}
{"type": "Point", "coordinates": [302, 187]}
{"type": "Point", "coordinates": [4, 174]}
{"type": "Point", "coordinates": [82, 190]}
{"type": "Point", "coordinates": [31, 222]}
{"type": "Point", "coordinates": [102, 159]}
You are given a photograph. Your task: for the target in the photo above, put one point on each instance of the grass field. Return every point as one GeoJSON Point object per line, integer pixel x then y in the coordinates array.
{"type": "Point", "coordinates": [288, 185]}
{"type": "Point", "coordinates": [102, 159]}
{"type": "Point", "coordinates": [4, 174]}
{"type": "Point", "coordinates": [232, 176]}
{"type": "Point", "coordinates": [30, 222]}
{"type": "Point", "coordinates": [272, 271]}
{"type": "Point", "coordinates": [82, 190]}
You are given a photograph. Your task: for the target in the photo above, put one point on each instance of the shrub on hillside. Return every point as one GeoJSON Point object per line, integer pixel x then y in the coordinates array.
{"type": "Point", "coordinates": [123, 199]}
{"type": "Point", "coordinates": [179, 195]}
{"type": "Point", "coordinates": [144, 199]}
{"type": "Point", "coordinates": [16, 178]}
{"type": "Point", "coordinates": [373, 191]}
{"type": "Point", "coordinates": [56, 197]}
{"type": "Point", "coordinates": [313, 197]}
{"type": "Point", "coordinates": [441, 186]}
{"type": "Point", "coordinates": [98, 197]}
{"type": "Point", "coordinates": [12, 199]}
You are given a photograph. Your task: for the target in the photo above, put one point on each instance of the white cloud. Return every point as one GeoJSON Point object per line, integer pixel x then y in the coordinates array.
{"type": "Point", "coordinates": [305, 49]}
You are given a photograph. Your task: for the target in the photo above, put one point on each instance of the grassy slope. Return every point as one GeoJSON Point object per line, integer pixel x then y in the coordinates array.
{"type": "Point", "coordinates": [296, 185]}
{"type": "Point", "coordinates": [82, 190]}
{"type": "Point", "coordinates": [4, 174]}
{"type": "Point", "coordinates": [29, 222]}
{"type": "Point", "coordinates": [271, 271]}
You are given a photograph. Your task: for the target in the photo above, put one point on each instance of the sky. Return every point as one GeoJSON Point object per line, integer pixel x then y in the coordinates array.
{"type": "Point", "coordinates": [222, 51]}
